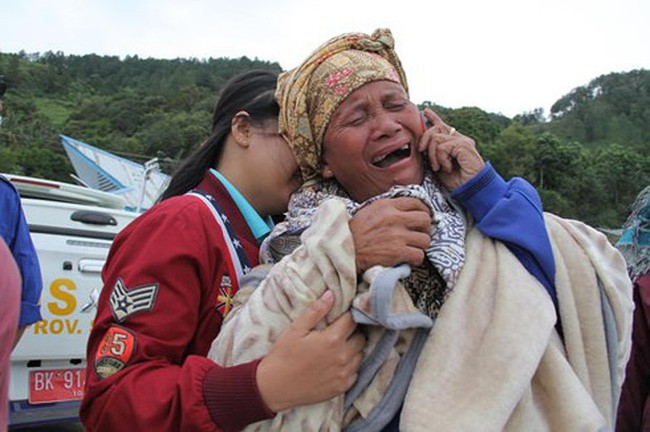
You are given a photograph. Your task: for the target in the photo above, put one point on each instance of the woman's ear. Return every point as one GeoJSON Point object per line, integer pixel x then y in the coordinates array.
{"type": "Point", "coordinates": [240, 128]}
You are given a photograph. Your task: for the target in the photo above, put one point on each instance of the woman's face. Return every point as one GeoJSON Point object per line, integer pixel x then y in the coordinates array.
{"type": "Point", "coordinates": [273, 168]}
{"type": "Point", "coordinates": [371, 142]}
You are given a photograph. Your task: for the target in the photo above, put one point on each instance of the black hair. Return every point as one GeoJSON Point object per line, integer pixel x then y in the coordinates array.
{"type": "Point", "coordinates": [253, 92]}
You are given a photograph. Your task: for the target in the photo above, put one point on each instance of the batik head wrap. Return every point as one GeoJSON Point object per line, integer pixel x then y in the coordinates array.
{"type": "Point", "coordinates": [309, 94]}
{"type": "Point", "coordinates": [634, 243]}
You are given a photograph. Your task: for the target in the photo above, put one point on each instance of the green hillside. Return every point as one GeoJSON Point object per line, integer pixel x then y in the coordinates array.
{"type": "Point", "coordinates": [588, 159]}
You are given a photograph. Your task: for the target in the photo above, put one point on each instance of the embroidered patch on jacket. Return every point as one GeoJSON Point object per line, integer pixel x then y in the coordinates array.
{"type": "Point", "coordinates": [225, 296]}
{"type": "Point", "coordinates": [114, 352]}
{"type": "Point", "coordinates": [128, 301]}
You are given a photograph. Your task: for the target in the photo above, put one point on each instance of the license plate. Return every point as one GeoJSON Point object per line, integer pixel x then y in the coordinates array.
{"type": "Point", "coordinates": [56, 385]}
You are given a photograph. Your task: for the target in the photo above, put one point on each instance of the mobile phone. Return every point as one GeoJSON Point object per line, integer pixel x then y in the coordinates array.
{"type": "Point", "coordinates": [426, 121]}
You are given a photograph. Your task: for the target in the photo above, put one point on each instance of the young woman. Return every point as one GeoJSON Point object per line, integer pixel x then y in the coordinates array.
{"type": "Point", "coordinates": [169, 282]}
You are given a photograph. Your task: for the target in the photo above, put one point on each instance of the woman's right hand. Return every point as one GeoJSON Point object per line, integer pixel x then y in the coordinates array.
{"type": "Point", "coordinates": [452, 155]}
{"type": "Point", "coordinates": [306, 365]}
{"type": "Point", "coordinates": [391, 231]}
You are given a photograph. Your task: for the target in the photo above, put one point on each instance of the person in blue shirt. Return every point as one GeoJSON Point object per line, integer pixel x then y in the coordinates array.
{"type": "Point", "coordinates": [10, 292]}
{"type": "Point", "coordinates": [14, 231]}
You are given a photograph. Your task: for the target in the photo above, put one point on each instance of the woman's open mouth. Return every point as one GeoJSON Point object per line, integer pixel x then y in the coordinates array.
{"type": "Point", "coordinates": [392, 157]}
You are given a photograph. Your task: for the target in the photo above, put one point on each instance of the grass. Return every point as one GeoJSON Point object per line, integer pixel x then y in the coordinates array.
{"type": "Point", "coordinates": [57, 111]}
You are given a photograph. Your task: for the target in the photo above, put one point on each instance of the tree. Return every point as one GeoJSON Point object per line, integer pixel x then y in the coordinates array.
{"type": "Point", "coordinates": [556, 162]}
{"type": "Point", "coordinates": [534, 117]}
{"type": "Point", "coordinates": [513, 152]}
{"type": "Point", "coordinates": [611, 108]}
{"type": "Point", "coordinates": [623, 174]}
{"type": "Point", "coordinates": [483, 127]}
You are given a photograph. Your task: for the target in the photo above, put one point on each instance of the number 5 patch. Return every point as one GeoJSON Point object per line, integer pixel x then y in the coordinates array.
{"type": "Point", "coordinates": [114, 352]}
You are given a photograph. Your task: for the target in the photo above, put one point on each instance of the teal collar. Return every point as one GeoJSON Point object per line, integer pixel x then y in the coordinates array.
{"type": "Point", "coordinates": [259, 227]}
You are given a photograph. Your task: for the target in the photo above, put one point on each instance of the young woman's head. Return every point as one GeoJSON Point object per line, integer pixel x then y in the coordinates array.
{"type": "Point", "coordinates": [244, 124]}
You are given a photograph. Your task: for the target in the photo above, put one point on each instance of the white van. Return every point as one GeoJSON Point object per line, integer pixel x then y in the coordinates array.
{"type": "Point", "coordinates": [72, 228]}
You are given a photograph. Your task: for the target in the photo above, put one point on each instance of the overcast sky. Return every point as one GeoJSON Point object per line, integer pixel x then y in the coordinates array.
{"type": "Point", "coordinates": [507, 56]}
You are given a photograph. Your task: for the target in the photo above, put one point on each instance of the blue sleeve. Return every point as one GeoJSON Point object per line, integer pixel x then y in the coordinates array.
{"type": "Point", "coordinates": [15, 232]}
{"type": "Point", "coordinates": [512, 213]}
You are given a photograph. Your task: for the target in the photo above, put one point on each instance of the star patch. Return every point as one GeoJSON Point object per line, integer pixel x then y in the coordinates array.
{"type": "Point", "coordinates": [126, 302]}
{"type": "Point", "coordinates": [225, 296]}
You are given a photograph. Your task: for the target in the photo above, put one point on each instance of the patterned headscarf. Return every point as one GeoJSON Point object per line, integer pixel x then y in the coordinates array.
{"type": "Point", "coordinates": [634, 243]}
{"type": "Point", "coordinates": [309, 94]}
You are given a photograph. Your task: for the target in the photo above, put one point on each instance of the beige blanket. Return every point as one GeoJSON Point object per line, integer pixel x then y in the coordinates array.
{"type": "Point", "coordinates": [396, 329]}
{"type": "Point", "coordinates": [493, 360]}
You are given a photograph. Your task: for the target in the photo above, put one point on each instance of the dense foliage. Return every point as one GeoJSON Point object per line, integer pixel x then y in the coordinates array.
{"type": "Point", "coordinates": [588, 160]}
